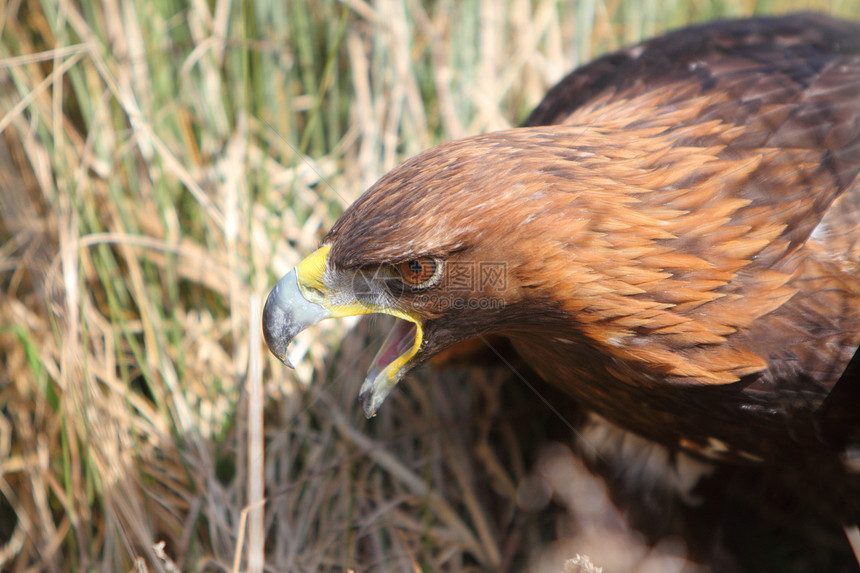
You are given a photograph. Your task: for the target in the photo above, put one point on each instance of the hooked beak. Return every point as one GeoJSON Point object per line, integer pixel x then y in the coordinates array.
{"type": "Point", "coordinates": [287, 313]}
{"type": "Point", "coordinates": [305, 296]}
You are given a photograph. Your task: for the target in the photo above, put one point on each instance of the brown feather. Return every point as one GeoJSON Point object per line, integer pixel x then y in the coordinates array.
{"type": "Point", "coordinates": [680, 226]}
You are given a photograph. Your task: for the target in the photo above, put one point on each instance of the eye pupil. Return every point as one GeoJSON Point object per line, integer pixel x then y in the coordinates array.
{"type": "Point", "coordinates": [418, 272]}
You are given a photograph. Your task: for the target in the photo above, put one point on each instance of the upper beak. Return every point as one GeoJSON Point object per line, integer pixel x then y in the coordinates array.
{"type": "Point", "coordinates": [287, 313]}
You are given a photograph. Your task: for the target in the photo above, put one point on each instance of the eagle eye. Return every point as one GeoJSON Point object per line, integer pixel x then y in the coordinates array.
{"type": "Point", "coordinates": [420, 272]}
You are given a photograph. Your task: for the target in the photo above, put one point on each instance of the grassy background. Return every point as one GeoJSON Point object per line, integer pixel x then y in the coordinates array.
{"type": "Point", "coordinates": [161, 164]}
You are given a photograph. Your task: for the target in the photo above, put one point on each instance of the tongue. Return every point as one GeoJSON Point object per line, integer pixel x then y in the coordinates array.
{"type": "Point", "coordinates": [398, 341]}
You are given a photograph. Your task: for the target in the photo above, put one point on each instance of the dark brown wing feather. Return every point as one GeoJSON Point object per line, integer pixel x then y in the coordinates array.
{"type": "Point", "coordinates": [705, 52]}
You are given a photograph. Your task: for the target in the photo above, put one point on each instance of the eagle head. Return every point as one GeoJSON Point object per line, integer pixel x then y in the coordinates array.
{"type": "Point", "coordinates": [436, 243]}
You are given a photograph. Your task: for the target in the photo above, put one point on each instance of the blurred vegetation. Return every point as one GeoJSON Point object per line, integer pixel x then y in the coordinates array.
{"type": "Point", "coordinates": [161, 164]}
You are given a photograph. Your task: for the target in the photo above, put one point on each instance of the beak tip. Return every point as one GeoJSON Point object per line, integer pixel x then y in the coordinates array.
{"type": "Point", "coordinates": [368, 404]}
{"type": "Point", "coordinates": [373, 393]}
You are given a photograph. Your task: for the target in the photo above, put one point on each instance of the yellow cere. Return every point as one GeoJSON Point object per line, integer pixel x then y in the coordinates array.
{"type": "Point", "coordinates": [310, 271]}
{"type": "Point", "coordinates": [310, 277]}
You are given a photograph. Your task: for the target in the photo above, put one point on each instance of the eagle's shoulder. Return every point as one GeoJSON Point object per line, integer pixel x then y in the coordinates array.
{"type": "Point", "coordinates": [795, 46]}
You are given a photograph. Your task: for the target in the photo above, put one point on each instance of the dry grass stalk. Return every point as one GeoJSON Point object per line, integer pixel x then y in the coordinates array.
{"type": "Point", "coordinates": [159, 167]}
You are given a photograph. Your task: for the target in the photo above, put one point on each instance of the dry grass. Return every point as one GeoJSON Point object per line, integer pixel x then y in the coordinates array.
{"type": "Point", "coordinates": [160, 166]}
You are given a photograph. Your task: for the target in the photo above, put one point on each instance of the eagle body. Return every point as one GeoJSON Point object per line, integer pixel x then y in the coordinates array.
{"type": "Point", "coordinates": [679, 226]}
{"type": "Point", "coordinates": [675, 239]}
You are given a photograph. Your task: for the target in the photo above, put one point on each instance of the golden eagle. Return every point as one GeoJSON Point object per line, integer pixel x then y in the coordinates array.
{"type": "Point", "coordinates": [672, 237]}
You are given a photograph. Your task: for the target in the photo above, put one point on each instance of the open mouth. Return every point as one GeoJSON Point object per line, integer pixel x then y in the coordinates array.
{"type": "Point", "coordinates": [401, 344]}
{"type": "Point", "coordinates": [397, 343]}
{"type": "Point", "coordinates": [300, 299]}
